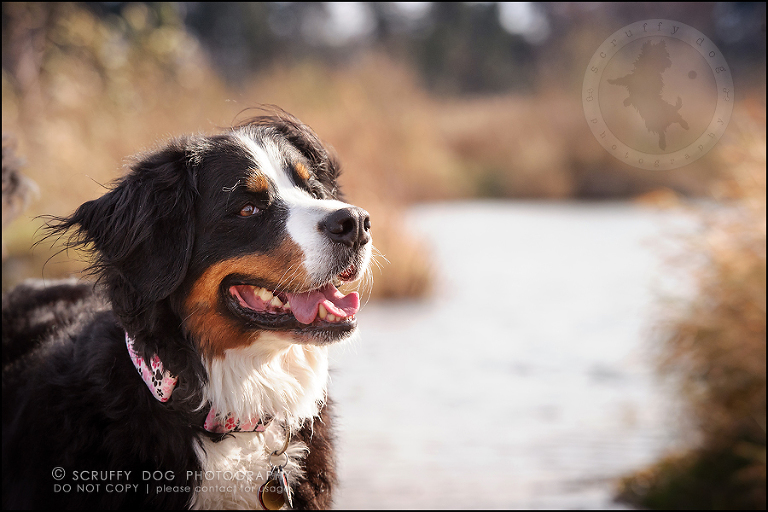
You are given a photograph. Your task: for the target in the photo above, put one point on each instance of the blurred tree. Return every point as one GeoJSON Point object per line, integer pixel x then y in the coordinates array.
{"type": "Point", "coordinates": [247, 37]}
{"type": "Point", "coordinates": [457, 47]}
{"type": "Point", "coordinates": [236, 35]}
{"type": "Point", "coordinates": [114, 41]}
{"type": "Point", "coordinates": [24, 30]}
{"type": "Point", "coordinates": [466, 50]}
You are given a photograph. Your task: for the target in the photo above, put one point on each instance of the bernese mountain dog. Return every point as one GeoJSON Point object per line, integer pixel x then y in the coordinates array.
{"type": "Point", "coordinates": [194, 373]}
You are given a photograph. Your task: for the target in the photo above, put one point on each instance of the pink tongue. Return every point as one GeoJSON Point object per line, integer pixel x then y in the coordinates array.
{"type": "Point", "coordinates": [305, 305]}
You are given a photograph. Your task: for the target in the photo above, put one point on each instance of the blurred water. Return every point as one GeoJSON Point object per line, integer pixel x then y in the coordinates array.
{"type": "Point", "coordinates": [526, 381]}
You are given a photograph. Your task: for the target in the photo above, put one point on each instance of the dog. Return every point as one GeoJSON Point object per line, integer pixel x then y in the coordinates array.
{"type": "Point", "coordinates": [645, 85]}
{"type": "Point", "coordinates": [194, 374]}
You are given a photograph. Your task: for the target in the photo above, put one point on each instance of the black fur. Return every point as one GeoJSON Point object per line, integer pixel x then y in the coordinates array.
{"type": "Point", "coordinates": [74, 401]}
{"type": "Point", "coordinates": [71, 396]}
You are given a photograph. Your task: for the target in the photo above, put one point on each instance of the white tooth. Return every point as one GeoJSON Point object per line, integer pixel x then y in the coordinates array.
{"type": "Point", "coordinates": [265, 295]}
{"type": "Point", "coordinates": [321, 312]}
{"type": "Point", "coordinates": [331, 318]}
{"type": "Point", "coordinates": [276, 302]}
{"type": "Point", "coordinates": [287, 305]}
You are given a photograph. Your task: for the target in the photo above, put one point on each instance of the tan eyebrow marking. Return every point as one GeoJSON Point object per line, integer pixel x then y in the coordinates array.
{"type": "Point", "coordinates": [257, 182]}
{"type": "Point", "coordinates": [301, 170]}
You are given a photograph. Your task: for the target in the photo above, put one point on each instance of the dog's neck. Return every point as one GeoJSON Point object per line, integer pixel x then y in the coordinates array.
{"type": "Point", "coordinates": [272, 377]}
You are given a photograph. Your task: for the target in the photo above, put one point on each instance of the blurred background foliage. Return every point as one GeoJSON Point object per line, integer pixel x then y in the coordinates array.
{"type": "Point", "coordinates": [423, 102]}
{"type": "Point", "coordinates": [713, 350]}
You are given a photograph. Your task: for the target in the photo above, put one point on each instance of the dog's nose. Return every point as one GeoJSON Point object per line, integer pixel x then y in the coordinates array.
{"type": "Point", "coordinates": [348, 226]}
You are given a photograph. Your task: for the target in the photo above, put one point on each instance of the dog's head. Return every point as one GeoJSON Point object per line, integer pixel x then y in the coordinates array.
{"type": "Point", "coordinates": [230, 238]}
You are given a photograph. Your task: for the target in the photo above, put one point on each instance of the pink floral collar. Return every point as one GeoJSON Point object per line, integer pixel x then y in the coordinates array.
{"type": "Point", "coordinates": [161, 383]}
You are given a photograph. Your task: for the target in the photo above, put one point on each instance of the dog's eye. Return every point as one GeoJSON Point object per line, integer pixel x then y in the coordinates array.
{"type": "Point", "coordinates": [248, 210]}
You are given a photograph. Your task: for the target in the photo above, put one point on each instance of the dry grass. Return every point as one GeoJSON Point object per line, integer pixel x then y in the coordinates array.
{"type": "Point", "coordinates": [716, 350]}
{"type": "Point", "coordinates": [540, 147]}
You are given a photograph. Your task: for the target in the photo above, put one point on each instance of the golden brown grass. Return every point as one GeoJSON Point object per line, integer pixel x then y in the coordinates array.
{"type": "Point", "coordinates": [716, 350]}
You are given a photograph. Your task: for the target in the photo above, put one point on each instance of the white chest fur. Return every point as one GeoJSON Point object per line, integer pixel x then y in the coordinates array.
{"type": "Point", "coordinates": [270, 378]}
{"type": "Point", "coordinates": [235, 468]}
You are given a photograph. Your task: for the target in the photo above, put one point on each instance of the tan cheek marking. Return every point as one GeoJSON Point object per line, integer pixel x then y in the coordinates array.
{"type": "Point", "coordinates": [257, 182]}
{"type": "Point", "coordinates": [301, 170]}
{"type": "Point", "coordinates": [214, 329]}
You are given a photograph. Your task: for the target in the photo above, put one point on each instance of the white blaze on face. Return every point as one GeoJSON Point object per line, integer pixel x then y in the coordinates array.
{"type": "Point", "coordinates": [305, 213]}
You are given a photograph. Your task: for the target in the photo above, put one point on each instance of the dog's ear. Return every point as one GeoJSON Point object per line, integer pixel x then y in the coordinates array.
{"type": "Point", "coordinates": [142, 230]}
